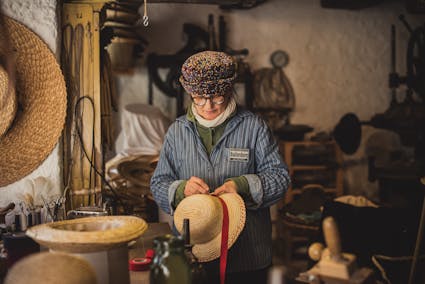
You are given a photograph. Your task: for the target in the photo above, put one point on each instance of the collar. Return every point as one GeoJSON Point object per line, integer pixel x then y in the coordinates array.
{"type": "Point", "coordinates": [190, 116]}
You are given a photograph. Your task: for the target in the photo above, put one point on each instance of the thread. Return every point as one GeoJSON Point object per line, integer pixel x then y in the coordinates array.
{"type": "Point", "coordinates": [141, 263]}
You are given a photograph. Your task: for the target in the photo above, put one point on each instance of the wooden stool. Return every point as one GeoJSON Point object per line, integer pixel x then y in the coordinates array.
{"type": "Point", "coordinates": [293, 233]}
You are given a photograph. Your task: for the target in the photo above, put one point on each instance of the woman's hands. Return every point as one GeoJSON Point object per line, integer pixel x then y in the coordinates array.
{"type": "Point", "coordinates": [196, 185]}
{"type": "Point", "coordinates": [227, 187]}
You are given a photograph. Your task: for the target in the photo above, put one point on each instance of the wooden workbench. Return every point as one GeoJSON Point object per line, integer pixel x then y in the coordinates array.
{"type": "Point", "coordinates": [142, 244]}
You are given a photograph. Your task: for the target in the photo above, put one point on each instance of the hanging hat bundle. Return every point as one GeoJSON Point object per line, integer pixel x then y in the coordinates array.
{"type": "Point", "coordinates": [32, 114]}
{"type": "Point", "coordinates": [121, 29]}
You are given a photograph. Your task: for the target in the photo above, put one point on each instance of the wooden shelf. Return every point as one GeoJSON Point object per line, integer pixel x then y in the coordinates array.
{"type": "Point", "coordinates": [308, 168]}
{"type": "Point", "coordinates": [287, 149]}
{"type": "Point", "coordinates": [327, 190]}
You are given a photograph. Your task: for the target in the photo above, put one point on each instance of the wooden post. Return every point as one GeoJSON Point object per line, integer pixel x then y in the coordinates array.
{"type": "Point", "coordinates": [82, 145]}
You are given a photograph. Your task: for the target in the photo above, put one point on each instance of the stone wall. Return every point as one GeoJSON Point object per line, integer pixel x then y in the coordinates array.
{"type": "Point", "coordinates": [339, 59]}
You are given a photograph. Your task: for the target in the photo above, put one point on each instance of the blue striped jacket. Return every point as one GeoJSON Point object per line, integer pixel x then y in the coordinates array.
{"type": "Point", "coordinates": [183, 155]}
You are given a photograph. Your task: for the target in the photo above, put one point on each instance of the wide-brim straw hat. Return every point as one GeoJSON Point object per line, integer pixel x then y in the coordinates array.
{"type": "Point", "coordinates": [90, 234]}
{"type": "Point", "coordinates": [52, 268]}
{"type": "Point", "coordinates": [30, 135]}
{"type": "Point", "coordinates": [8, 103]}
{"type": "Point", "coordinates": [205, 214]}
{"type": "Point", "coordinates": [208, 73]}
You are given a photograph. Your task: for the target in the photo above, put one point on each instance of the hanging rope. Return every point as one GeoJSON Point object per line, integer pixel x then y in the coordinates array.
{"type": "Point", "coordinates": [145, 14]}
{"type": "Point", "coordinates": [145, 19]}
{"type": "Point", "coordinates": [81, 140]}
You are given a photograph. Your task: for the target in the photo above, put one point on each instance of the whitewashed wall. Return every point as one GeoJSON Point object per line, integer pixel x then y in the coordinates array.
{"type": "Point", "coordinates": [41, 17]}
{"type": "Point", "coordinates": [339, 59]}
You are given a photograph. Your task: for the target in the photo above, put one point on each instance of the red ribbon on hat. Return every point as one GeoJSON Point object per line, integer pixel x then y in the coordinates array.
{"type": "Point", "coordinates": [224, 240]}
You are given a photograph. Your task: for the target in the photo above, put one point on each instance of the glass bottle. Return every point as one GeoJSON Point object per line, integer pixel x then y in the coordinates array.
{"type": "Point", "coordinates": [199, 274]}
{"type": "Point", "coordinates": [170, 264]}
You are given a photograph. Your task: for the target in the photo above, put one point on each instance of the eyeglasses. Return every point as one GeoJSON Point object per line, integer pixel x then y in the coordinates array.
{"type": "Point", "coordinates": [201, 100]}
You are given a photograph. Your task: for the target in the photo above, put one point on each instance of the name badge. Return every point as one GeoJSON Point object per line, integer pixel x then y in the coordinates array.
{"type": "Point", "coordinates": [238, 154]}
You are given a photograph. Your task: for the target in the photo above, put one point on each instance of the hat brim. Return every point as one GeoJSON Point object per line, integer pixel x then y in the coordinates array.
{"type": "Point", "coordinates": [41, 93]}
{"type": "Point", "coordinates": [211, 250]}
{"type": "Point", "coordinates": [90, 234]}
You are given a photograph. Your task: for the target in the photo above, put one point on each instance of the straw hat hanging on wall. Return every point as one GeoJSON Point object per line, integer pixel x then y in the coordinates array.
{"type": "Point", "coordinates": [30, 129]}
{"type": "Point", "coordinates": [8, 104]}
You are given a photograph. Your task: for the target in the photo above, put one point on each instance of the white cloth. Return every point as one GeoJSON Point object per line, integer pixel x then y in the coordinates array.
{"type": "Point", "coordinates": [230, 108]}
{"type": "Point", "coordinates": [143, 130]}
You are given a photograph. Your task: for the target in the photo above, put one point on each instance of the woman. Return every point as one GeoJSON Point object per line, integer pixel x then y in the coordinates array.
{"type": "Point", "coordinates": [219, 148]}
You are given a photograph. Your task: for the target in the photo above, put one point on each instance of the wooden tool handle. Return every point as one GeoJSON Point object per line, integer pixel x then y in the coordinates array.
{"type": "Point", "coordinates": [315, 251]}
{"type": "Point", "coordinates": [333, 241]}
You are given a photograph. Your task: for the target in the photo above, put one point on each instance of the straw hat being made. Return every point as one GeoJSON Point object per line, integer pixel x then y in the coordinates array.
{"type": "Point", "coordinates": [205, 214]}
{"type": "Point", "coordinates": [29, 134]}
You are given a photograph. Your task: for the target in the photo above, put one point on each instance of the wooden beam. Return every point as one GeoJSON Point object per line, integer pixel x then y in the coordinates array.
{"type": "Point", "coordinates": [82, 136]}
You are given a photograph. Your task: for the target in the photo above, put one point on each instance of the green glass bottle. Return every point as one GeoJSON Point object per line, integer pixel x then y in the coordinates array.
{"type": "Point", "coordinates": [199, 275]}
{"type": "Point", "coordinates": [170, 264]}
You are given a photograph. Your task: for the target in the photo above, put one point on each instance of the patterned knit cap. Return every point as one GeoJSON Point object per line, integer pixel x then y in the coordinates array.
{"type": "Point", "coordinates": [208, 73]}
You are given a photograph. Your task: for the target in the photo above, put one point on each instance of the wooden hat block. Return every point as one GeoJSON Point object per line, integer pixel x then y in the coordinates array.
{"type": "Point", "coordinates": [333, 265]}
{"type": "Point", "coordinates": [102, 241]}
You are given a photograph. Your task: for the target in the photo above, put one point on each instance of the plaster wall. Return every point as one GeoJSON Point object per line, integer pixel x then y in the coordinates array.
{"type": "Point", "coordinates": [40, 16]}
{"type": "Point", "coordinates": [339, 59]}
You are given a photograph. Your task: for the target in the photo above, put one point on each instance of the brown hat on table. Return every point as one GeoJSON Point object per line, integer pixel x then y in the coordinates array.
{"type": "Point", "coordinates": [205, 214]}
{"type": "Point", "coordinates": [32, 114]}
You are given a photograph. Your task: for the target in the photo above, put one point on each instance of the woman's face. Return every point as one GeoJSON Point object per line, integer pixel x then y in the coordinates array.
{"type": "Point", "coordinates": [210, 111]}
